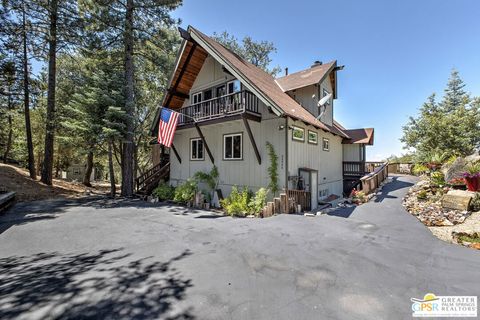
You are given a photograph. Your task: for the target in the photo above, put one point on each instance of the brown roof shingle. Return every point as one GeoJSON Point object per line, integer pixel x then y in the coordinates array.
{"type": "Point", "coordinates": [363, 135]}
{"type": "Point", "coordinates": [305, 77]}
{"type": "Point", "coordinates": [266, 84]}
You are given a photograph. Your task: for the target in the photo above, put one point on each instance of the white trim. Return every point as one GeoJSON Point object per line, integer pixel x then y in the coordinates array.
{"type": "Point", "coordinates": [191, 149]}
{"type": "Point", "coordinates": [327, 140]}
{"type": "Point", "coordinates": [244, 80]}
{"type": "Point", "coordinates": [241, 145]}
{"type": "Point", "coordinates": [233, 81]}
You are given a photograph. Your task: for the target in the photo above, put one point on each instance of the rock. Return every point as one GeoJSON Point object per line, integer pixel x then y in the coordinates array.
{"type": "Point", "coordinates": [472, 158]}
{"type": "Point", "coordinates": [475, 246]}
{"type": "Point", "coordinates": [454, 170]}
{"type": "Point", "coordinates": [457, 199]}
{"type": "Point", "coordinates": [445, 223]}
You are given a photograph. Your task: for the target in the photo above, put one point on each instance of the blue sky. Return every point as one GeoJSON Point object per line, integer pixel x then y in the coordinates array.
{"type": "Point", "coordinates": [396, 53]}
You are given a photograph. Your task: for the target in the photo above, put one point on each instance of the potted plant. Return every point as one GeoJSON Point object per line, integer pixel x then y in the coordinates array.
{"type": "Point", "coordinates": [472, 176]}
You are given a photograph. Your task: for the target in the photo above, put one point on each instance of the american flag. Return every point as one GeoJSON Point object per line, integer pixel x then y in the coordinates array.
{"type": "Point", "coordinates": [167, 126]}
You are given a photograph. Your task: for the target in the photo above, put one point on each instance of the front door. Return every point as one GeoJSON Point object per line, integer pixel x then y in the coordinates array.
{"type": "Point", "coordinates": [309, 182]}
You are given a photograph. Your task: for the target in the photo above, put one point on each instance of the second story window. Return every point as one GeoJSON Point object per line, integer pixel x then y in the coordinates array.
{"type": "Point", "coordinates": [196, 98]}
{"type": "Point", "coordinates": [196, 149]}
{"type": "Point", "coordinates": [233, 86]}
{"type": "Point", "coordinates": [326, 144]}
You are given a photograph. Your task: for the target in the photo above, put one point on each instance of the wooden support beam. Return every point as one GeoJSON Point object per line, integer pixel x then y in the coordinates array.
{"type": "Point", "coordinates": [252, 139]}
{"type": "Point", "coordinates": [184, 34]}
{"type": "Point", "coordinates": [176, 153]}
{"type": "Point", "coordinates": [180, 75]}
{"type": "Point", "coordinates": [200, 133]}
{"type": "Point", "coordinates": [179, 94]}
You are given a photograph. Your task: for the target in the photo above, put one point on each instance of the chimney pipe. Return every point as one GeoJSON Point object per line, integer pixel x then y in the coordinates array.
{"type": "Point", "coordinates": [316, 63]}
{"type": "Point", "coordinates": [286, 71]}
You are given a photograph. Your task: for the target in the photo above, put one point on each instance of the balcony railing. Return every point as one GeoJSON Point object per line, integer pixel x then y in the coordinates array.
{"type": "Point", "coordinates": [228, 105]}
{"type": "Point", "coordinates": [359, 168]}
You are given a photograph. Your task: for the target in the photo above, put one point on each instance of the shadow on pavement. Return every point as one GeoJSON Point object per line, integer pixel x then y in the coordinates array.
{"type": "Point", "coordinates": [101, 285]}
{"type": "Point", "coordinates": [27, 212]}
{"type": "Point", "coordinates": [390, 187]}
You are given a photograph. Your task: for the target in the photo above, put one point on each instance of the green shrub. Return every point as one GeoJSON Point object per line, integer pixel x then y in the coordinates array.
{"type": "Point", "coordinates": [473, 168]}
{"type": "Point", "coordinates": [185, 192]}
{"type": "Point", "coordinates": [164, 192]}
{"type": "Point", "coordinates": [475, 204]}
{"type": "Point", "coordinates": [422, 195]}
{"type": "Point", "coordinates": [236, 204]}
{"type": "Point", "coordinates": [437, 178]}
{"type": "Point", "coordinates": [419, 169]}
{"type": "Point", "coordinates": [211, 178]}
{"type": "Point", "coordinates": [258, 201]}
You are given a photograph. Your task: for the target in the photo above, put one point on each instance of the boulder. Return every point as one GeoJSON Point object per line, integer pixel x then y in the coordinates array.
{"type": "Point", "coordinates": [454, 170]}
{"type": "Point", "coordinates": [457, 200]}
{"type": "Point", "coordinates": [472, 158]}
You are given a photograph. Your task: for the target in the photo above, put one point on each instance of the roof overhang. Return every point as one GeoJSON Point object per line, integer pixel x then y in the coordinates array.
{"type": "Point", "coordinates": [360, 136]}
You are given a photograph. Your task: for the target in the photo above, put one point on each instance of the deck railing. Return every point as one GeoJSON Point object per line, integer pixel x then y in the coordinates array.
{"type": "Point", "coordinates": [301, 197]}
{"type": "Point", "coordinates": [353, 168]}
{"type": "Point", "coordinates": [372, 181]}
{"type": "Point", "coordinates": [230, 104]}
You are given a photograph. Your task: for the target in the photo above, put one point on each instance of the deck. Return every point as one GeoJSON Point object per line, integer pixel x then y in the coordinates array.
{"type": "Point", "coordinates": [228, 106]}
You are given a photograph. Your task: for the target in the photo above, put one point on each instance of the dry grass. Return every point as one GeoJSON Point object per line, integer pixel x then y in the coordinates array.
{"type": "Point", "coordinates": [17, 179]}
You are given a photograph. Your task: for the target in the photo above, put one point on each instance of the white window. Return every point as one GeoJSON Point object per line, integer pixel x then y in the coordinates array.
{"type": "Point", "coordinates": [232, 146]}
{"type": "Point", "coordinates": [233, 86]}
{"type": "Point", "coordinates": [196, 98]}
{"type": "Point", "coordinates": [196, 149]}
{"type": "Point", "coordinates": [326, 144]}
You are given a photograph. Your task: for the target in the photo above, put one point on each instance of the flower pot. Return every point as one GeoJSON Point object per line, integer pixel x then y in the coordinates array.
{"type": "Point", "coordinates": [473, 183]}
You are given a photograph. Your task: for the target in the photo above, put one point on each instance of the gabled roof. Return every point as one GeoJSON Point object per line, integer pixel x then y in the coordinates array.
{"type": "Point", "coordinates": [363, 135]}
{"type": "Point", "coordinates": [307, 77]}
{"type": "Point", "coordinates": [255, 79]}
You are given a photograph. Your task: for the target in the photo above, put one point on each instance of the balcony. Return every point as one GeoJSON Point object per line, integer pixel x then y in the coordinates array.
{"type": "Point", "coordinates": [228, 106]}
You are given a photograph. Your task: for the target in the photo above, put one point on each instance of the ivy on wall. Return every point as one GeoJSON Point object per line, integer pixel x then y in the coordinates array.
{"type": "Point", "coordinates": [272, 169]}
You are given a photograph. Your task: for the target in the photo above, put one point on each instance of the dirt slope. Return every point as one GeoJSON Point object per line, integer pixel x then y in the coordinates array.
{"type": "Point", "coordinates": [16, 179]}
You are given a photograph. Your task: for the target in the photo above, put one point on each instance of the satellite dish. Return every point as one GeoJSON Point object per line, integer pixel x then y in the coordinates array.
{"type": "Point", "coordinates": [324, 100]}
{"type": "Point", "coordinates": [322, 104]}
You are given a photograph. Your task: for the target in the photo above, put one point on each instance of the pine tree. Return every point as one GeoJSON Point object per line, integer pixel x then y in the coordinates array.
{"type": "Point", "coordinates": [57, 26]}
{"type": "Point", "coordinates": [15, 30]}
{"type": "Point", "coordinates": [139, 21]}
{"type": "Point", "coordinates": [451, 126]}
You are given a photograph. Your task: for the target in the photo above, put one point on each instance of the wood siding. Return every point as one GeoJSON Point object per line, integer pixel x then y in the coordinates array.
{"type": "Point", "coordinates": [328, 163]}
{"type": "Point", "coordinates": [245, 172]}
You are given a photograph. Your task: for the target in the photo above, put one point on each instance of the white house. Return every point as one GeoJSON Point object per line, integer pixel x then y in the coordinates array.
{"type": "Point", "coordinates": [238, 108]}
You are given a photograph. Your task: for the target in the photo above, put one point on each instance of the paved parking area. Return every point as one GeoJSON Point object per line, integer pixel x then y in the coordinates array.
{"type": "Point", "coordinates": [131, 260]}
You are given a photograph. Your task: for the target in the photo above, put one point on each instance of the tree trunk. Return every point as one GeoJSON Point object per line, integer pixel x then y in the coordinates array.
{"type": "Point", "coordinates": [26, 100]}
{"type": "Point", "coordinates": [52, 66]}
{"type": "Point", "coordinates": [10, 134]}
{"type": "Point", "coordinates": [128, 144]}
{"type": "Point", "coordinates": [110, 170]}
{"type": "Point", "coordinates": [88, 171]}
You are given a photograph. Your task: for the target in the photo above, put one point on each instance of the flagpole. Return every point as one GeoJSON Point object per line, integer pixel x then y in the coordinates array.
{"type": "Point", "coordinates": [184, 115]}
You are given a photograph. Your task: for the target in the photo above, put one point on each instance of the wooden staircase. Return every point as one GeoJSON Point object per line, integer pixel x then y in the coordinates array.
{"type": "Point", "coordinates": [152, 177]}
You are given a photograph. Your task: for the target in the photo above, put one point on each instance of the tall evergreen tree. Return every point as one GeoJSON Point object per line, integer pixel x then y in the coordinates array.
{"type": "Point", "coordinates": [130, 23]}
{"type": "Point", "coordinates": [15, 29]}
{"type": "Point", "coordinates": [59, 28]}
{"type": "Point", "coordinates": [451, 126]}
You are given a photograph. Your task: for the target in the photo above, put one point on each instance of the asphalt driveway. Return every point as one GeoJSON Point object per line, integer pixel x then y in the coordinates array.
{"type": "Point", "coordinates": [99, 259]}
